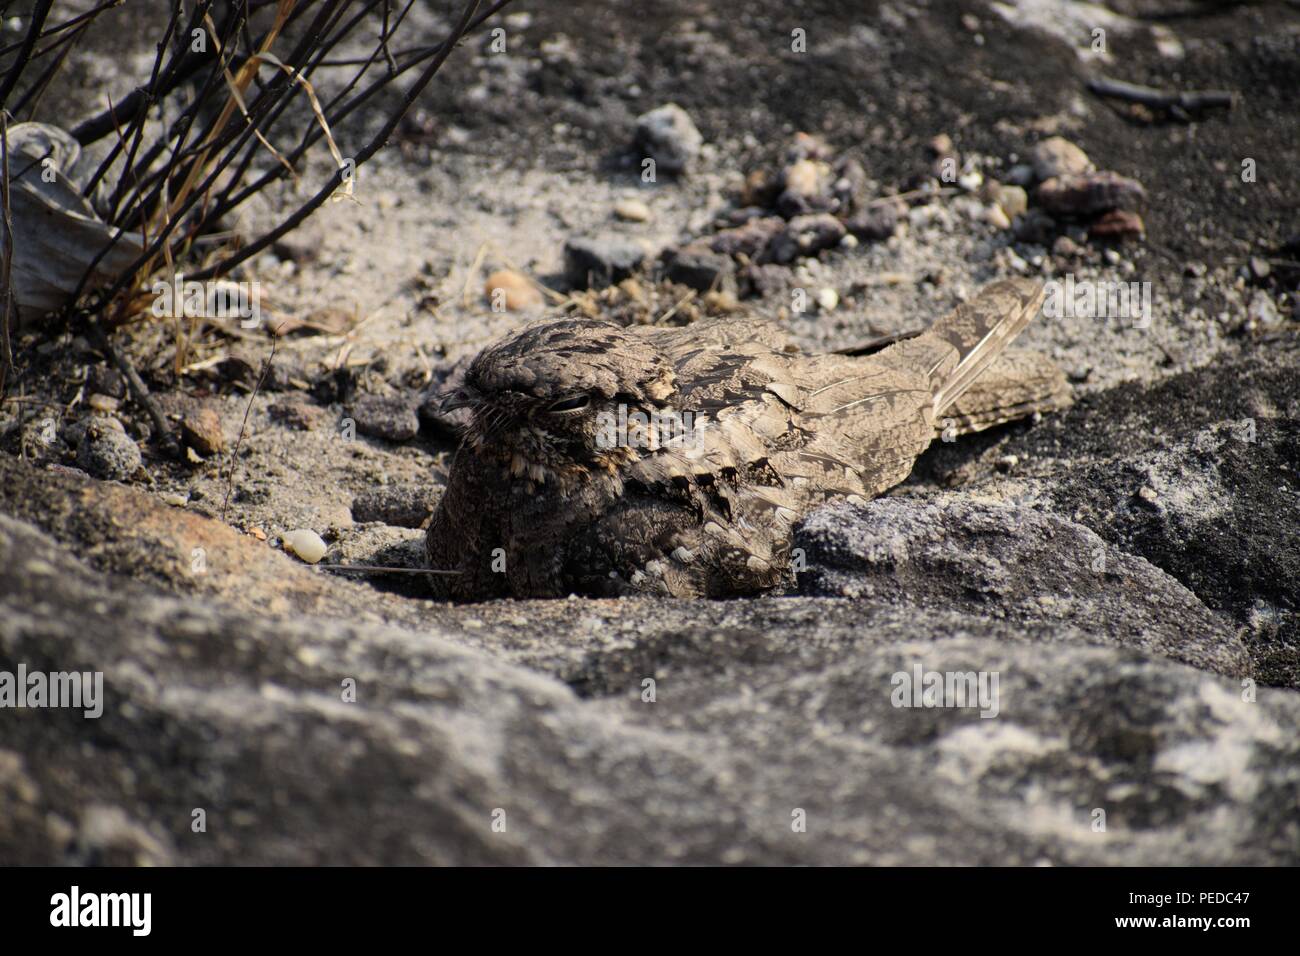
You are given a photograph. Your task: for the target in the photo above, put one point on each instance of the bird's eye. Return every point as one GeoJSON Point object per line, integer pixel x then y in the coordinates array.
{"type": "Point", "coordinates": [570, 404]}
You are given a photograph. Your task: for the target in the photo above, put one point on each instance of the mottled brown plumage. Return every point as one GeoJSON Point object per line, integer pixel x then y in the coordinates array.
{"type": "Point", "coordinates": [604, 460]}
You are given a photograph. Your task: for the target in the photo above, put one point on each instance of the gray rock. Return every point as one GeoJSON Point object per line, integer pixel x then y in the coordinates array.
{"type": "Point", "coordinates": [388, 417]}
{"type": "Point", "coordinates": [597, 261]}
{"type": "Point", "coordinates": [106, 451]}
{"type": "Point", "coordinates": [1262, 311]}
{"type": "Point", "coordinates": [1014, 563]}
{"type": "Point", "coordinates": [105, 380]}
{"type": "Point", "coordinates": [762, 711]}
{"type": "Point", "coordinates": [874, 223]}
{"type": "Point", "coordinates": [403, 506]}
{"type": "Point", "coordinates": [701, 268]}
{"type": "Point", "coordinates": [669, 137]}
{"type": "Point", "coordinates": [806, 236]}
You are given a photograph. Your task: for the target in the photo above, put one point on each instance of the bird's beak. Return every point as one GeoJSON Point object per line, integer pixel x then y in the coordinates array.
{"type": "Point", "coordinates": [459, 398]}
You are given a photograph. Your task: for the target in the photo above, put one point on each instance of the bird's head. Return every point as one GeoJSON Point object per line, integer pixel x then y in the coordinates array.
{"type": "Point", "coordinates": [542, 399]}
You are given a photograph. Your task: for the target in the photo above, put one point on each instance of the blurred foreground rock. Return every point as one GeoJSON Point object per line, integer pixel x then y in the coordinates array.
{"type": "Point", "coordinates": [227, 690]}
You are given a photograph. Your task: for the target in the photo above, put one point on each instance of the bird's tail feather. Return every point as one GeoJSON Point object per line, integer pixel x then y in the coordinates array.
{"type": "Point", "coordinates": [980, 330]}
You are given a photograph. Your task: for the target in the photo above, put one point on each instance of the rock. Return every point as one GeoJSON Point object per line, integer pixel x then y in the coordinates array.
{"type": "Point", "coordinates": [874, 223]}
{"type": "Point", "coordinates": [804, 177]}
{"type": "Point", "coordinates": [752, 239]}
{"type": "Point", "coordinates": [632, 210]}
{"type": "Point", "coordinates": [941, 145]}
{"type": "Point", "coordinates": [306, 544]}
{"type": "Point", "coordinates": [1259, 267]}
{"type": "Point", "coordinates": [1056, 157]}
{"type": "Point", "coordinates": [850, 187]}
{"type": "Point", "coordinates": [511, 291]}
{"type": "Point", "coordinates": [201, 430]}
{"type": "Point", "coordinates": [105, 380]}
{"type": "Point", "coordinates": [1262, 311]}
{"type": "Point", "coordinates": [760, 190]}
{"type": "Point", "coordinates": [106, 451]}
{"type": "Point", "coordinates": [806, 236]}
{"type": "Point", "coordinates": [827, 299]}
{"type": "Point", "coordinates": [763, 279]}
{"type": "Point", "coordinates": [403, 506]}
{"type": "Point", "coordinates": [299, 414]}
{"type": "Point", "coordinates": [1021, 174]}
{"type": "Point", "coordinates": [462, 714]}
{"type": "Point", "coordinates": [808, 188]}
{"type": "Point", "coordinates": [1065, 248]}
{"type": "Point", "coordinates": [1036, 227]}
{"type": "Point", "coordinates": [996, 218]}
{"type": "Point", "coordinates": [669, 137]}
{"type": "Point", "coordinates": [1089, 194]}
{"type": "Point", "coordinates": [966, 556]}
{"type": "Point", "coordinates": [387, 417]}
{"type": "Point", "coordinates": [1117, 224]}
{"type": "Point", "coordinates": [699, 267]}
{"type": "Point", "coordinates": [1013, 200]}
{"type": "Point", "coordinates": [598, 261]}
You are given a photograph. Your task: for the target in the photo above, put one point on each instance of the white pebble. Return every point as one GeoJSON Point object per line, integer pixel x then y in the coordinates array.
{"type": "Point", "coordinates": [827, 299]}
{"type": "Point", "coordinates": [632, 210]}
{"type": "Point", "coordinates": [305, 544]}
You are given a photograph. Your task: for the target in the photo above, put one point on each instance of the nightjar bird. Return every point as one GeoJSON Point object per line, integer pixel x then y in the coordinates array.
{"type": "Point", "coordinates": [602, 460]}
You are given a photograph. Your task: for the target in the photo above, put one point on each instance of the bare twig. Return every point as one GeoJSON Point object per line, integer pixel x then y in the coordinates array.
{"type": "Point", "coordinates": [1188, 102]}
{"type": "Point", "coordinates": [39, 13]}
{"type": "Point", "coordinates": [166, 439]}
{"type": "Point", "coordinates": [375, 144]}
{"type": "Point", "coordinates": [379, 569]}
{"type": "Point", "coordinates": [234, 454]}
{"type": "Point", "coordinates": [6, 268]}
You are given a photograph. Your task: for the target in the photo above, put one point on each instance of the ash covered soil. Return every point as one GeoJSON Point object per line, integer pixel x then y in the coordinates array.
{"type": "Point", "coordinates": [1129, 567]}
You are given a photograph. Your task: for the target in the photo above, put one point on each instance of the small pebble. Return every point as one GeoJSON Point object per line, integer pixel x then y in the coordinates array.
{"type": "Point", "coordinates": [512, 290]}
{"type": "Point", "coordinates": [801, 178]}
{"type": "Point", "coordinates": [104, 380]}
{"type": "Point", "coordinates": [1021, 174]}
{"type": "Point", "coordinates": [201, 429]}
{"type": "Point", "coordinates": [106, 452]}
{"type": "Point", "coordinates": [997, 218]}
{"type": "Point", "coordinates": [632, 210]}
{"type": "Point", "coordinates": [669, 137]}
{"type": "Point", "coordinates": [305, 544]}
{"type": "Point", "coordinates": [827, 299]}
{"type": "Point", "coordinates": [1058, 157]}
{"type": "Point", "coordinates": [1013, 200]}
{"type": "Point", "coordinates": [1262, 311]}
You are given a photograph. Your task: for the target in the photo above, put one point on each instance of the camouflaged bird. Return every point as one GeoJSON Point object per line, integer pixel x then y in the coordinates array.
{"type": "Point", "coordinates": [602, 460]}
